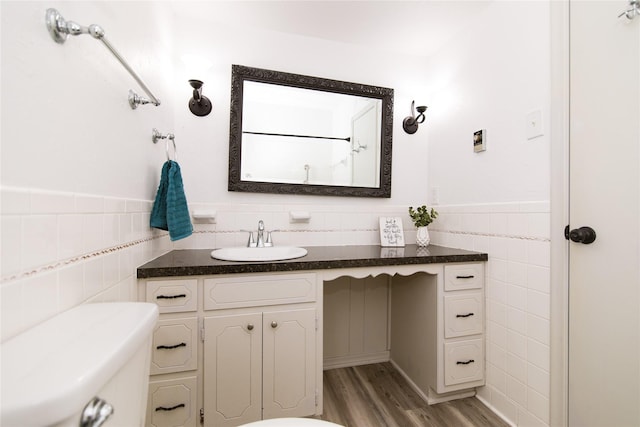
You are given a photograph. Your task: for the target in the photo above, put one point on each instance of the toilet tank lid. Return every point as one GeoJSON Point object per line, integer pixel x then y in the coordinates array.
{"type": "Point", "coordinates": [51, 371]}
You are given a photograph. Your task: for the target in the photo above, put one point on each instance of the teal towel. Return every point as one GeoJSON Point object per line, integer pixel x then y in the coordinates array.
{"type": "Point", "coordinates": [170, 211]}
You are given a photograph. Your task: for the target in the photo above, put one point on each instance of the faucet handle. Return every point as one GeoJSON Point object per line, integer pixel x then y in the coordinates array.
{"type": "Point", "coordinates": [251, 243]}
{"type": "Point", "coordinates": [269, 241]}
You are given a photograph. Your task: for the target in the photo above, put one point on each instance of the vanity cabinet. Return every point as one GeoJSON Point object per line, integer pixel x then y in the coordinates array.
{"type": "Point", "coordinates": [237, 343]}
{"type": "Point", "coordinates": [463, 333]}
{"type": "Point", "coordinates": [232, 349]}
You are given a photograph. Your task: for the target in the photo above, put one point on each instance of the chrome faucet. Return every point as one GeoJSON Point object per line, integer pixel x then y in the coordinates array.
{"type": "Point", "coordinates": [261, 241]}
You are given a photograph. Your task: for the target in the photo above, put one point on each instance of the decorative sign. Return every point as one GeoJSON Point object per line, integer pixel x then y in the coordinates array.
{"type": "Point", "coordinates": [391, 233]}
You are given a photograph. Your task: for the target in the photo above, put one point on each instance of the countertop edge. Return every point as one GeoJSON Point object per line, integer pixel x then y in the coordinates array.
{"type": "Point", "coordinates": [302, 264]}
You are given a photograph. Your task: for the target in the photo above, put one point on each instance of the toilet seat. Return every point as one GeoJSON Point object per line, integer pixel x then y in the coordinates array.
{"type": "Point", "coordinates": [291, 422]}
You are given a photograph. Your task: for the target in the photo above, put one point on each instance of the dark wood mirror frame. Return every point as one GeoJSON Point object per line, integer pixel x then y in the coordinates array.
{"type": "Point", "coordinates": [241, 73]}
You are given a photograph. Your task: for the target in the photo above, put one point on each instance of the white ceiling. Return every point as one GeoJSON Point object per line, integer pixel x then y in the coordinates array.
{"type": "Point", "coordinates": [409, 27]}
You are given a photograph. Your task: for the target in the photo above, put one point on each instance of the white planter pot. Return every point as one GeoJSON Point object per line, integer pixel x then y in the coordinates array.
{"type": "Point", "coordinates": [422, 236]}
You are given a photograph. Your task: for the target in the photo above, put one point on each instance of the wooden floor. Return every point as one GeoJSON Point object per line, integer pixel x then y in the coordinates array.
{"type": "Point", "coordinates": [377, 395]}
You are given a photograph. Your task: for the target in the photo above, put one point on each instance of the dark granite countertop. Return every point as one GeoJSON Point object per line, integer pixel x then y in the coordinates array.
{"type": "Point", "coordinates": [197, 262]}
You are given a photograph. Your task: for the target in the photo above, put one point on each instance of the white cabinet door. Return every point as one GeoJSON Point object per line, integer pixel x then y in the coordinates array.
{"type": "Point", "coordinates": [232, 369]}
{"type": "Point", "coordinates": [289, 387]}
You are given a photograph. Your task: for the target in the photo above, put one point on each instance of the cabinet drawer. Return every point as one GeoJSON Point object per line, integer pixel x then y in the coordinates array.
{"type": "Point", "coordinates": [248, 291]}
{"type": "Point", "coordinates": [463, 314]}
{"type": "Point", "coordinates": [175, 346]}
{"type": "Point", "coordinates": [463, 276]}
{"type": "Point", "coordinates": [173, 296]}
{"type": "Point", "coordinates": [463, 362]}
{"type": "Point", "coordinates": [172, 403]}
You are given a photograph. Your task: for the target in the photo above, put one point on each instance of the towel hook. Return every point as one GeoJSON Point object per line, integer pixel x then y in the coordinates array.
{"type": "Point", "coordinates": [156, 135]}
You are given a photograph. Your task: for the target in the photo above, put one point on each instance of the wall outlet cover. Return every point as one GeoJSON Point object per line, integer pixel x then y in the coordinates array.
{"type": "Point", "coordinates": [480, 140]}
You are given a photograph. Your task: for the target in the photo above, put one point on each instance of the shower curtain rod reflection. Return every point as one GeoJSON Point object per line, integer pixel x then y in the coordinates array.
{"type": "Point", "coordinates": [348, 139]}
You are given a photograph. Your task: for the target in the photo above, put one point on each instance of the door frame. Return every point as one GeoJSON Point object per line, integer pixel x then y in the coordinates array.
{"type": "Point", "coordinates": [559, 181]}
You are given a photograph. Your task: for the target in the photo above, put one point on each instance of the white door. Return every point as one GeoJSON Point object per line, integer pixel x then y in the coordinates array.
{"type": "Point", "coordinates": [233, 369]}
{"type": "Point", "coordinates": [288, 366]}
{"type": "Point", "coordinates": [365, 150]}
{"type": "Point", "coordinates": [604, 279]}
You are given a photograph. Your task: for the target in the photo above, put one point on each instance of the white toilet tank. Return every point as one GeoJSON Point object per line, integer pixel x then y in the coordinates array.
{"type": "Point", "coordinates": [50, 372]}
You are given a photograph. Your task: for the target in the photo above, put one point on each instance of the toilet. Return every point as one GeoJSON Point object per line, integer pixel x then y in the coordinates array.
{"type": "Point", "coordinates": [83, 367]}
{"type": "Point", "coordinates": [291, 422]}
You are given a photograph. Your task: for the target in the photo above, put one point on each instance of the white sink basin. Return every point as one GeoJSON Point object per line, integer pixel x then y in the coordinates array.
{"type": "Point", "coordinates": [273, 253]}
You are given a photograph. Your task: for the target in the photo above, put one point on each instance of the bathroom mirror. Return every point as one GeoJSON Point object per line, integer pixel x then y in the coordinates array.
{"type": "Point", "coordinates": [296, 134]}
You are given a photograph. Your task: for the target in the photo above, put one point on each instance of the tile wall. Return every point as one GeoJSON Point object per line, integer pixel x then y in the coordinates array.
{"type": "Point", "coordinates": [516, 236]}
{"type": "Point", "coordinates": [63, 249]}
{"type": "Point", "coordinates": [59, 250]}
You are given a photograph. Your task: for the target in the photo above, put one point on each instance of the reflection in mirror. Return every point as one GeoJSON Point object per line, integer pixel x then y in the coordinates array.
{"type": "Point", "coordinates": [306, 135]}
{"type": "Point", "coordinates": [317, 137]}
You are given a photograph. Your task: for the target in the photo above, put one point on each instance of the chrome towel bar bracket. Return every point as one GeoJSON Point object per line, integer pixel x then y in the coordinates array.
{"type": "Point", "coordinates": [59, 29]}
{"type": "Point", "coordinates": [156, 135]}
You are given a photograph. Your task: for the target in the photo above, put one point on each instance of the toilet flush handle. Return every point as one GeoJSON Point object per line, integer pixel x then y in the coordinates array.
{"type": "Point", "coordinates": [95, 413]}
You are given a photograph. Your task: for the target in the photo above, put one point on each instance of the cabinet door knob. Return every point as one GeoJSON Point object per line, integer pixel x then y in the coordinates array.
{"type": "Point", "coordinates": [274, 324]}
{"type": "Point", "coordinates": [250, 326]}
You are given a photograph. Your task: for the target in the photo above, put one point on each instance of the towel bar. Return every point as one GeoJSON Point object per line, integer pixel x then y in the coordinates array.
{"type": "Point", "coordinates": [59, 29]}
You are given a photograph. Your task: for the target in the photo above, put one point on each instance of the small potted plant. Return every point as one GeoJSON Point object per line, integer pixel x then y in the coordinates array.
{"type": "Point", "coordinates": [422, 217]}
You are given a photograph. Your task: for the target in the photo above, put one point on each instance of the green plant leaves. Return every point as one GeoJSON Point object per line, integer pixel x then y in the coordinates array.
{"type": "Point", "coordinates": [422, 216]}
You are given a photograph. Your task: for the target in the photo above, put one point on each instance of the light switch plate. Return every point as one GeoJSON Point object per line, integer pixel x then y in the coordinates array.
{"type": "Point", "coordinates": [534, 124]}
{"type": "Point", "coordinates": [435, 195]}
{"type": "Point", "coordinates": [480, 140]}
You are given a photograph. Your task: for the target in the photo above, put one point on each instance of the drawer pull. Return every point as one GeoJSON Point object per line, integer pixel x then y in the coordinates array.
{"type": "Point", "coordinates": [465, 363]}
{"type": "Point", "coordinates": [464, 315]}
{"type": "Point", "coordinates": [465, 277]}
{"type": "Point", "coordinates": [162, 408]}
{"type": "Point", "coordinates": [171, 296]}
{"type": "Point", "coordinates": [250, 326]}
{"type": "Point", "coordinates": [274, 324]}
{"type": "Point", "coordinates": [170, 347]}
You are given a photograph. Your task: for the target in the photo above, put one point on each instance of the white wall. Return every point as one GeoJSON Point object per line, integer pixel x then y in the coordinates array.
{"type": "Point", "coordinates": [78, 165]}
{"type": "Point", "coordinates": [66, 123]}
{"type": "Point", "coordinates": [490, 78]}
{"type": "Point", "coordinates": [497, 201]}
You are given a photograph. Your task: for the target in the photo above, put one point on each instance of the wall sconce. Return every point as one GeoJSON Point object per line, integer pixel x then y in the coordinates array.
{"type": "Point", "coordinates": [199, 105]}
{"type": "Point", "coordinates": [410, 123]}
